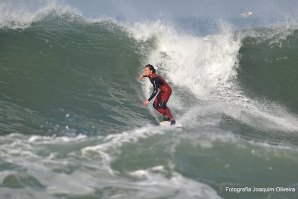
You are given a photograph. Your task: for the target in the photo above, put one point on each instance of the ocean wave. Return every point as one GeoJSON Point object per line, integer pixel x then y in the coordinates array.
{"type": "Point", "coordinates": [97, 62]}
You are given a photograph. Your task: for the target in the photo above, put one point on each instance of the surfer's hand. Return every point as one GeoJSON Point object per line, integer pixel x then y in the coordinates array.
{"type": "Point", "coordinates": [146, 102]}
{"type": "Point", "coordinates": [141, 77]}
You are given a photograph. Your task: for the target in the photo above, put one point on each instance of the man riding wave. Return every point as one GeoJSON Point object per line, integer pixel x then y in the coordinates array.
{"type": "Point", "coordinates": [162, 97]}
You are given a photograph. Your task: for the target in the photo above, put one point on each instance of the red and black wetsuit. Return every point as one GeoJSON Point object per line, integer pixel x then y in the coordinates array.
{"type": "Point", "coordinates": [162, 97]}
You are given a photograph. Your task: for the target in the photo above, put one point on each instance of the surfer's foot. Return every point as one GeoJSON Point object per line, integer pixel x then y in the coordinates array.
{"type": "Point", "coordinates": [173, 122]}
{"type": "Point", "coordinates": [165, 119]}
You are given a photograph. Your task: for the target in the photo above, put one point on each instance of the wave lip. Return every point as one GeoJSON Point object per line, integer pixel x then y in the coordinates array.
{"type": "Point", "coordinates": [21, 16]}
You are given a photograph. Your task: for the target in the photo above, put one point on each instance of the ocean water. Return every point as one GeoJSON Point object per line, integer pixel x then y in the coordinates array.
{"type": "Point", "coordinates": [73, 124]}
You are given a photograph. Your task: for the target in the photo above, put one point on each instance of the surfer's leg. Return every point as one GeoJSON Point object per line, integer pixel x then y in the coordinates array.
{"type": "Point", "coordinates": [156, 104]}
{"type": "Point", "coordinates": [163, 104]}
{"type": "Point", "coordinates": [166, 110]}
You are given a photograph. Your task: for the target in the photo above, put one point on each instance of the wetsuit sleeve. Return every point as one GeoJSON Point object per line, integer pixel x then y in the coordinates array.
{"type": "Point", "coordinates": [155, 88]}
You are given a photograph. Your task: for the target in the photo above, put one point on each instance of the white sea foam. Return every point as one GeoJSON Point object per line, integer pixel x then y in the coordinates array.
{"type": "Point", "coordinates": [81, 165]}
{"type": "Point", "coordinates": [83, 173]}
{"type": "Point", "coordinates": [198, 64]}
{"type": "Point", "coordinates": [112, 142]}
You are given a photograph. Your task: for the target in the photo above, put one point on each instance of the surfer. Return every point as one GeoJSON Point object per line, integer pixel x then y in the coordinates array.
{"type": "Point", "coordinates": [160, 102]}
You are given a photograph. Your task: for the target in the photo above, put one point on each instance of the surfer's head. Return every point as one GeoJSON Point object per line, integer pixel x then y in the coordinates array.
{"type": "Point", "coordinates": [149, 69]}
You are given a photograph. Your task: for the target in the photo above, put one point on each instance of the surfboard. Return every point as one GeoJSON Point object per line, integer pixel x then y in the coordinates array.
{"type": "Point", "coordinates": [168, 123]}
{"type": "Point", "coordinates": [165, 123]}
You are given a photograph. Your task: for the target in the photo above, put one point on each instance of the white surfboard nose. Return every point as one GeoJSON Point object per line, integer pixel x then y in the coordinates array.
{"type": "Point", "coordinates": [165, 123]}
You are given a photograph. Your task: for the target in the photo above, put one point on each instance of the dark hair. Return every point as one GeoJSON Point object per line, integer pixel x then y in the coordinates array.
{"type": "Point", "coordinates": [151, 68]}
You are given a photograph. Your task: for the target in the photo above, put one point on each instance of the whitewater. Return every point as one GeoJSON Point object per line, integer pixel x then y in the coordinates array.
{"type": "Point", "coordinates": [73, 124]}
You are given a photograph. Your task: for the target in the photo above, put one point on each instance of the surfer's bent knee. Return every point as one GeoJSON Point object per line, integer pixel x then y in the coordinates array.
{"type": "Point", "coordinates": [163, 105]}
{"type": "Point", "coordinates": [155, 105]}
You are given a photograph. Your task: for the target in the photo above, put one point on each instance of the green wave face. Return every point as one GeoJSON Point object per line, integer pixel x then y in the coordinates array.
{"type": "Point", "coordinates": [60, 67]}
{"type": "Point", "coordinates": [268, 68]}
